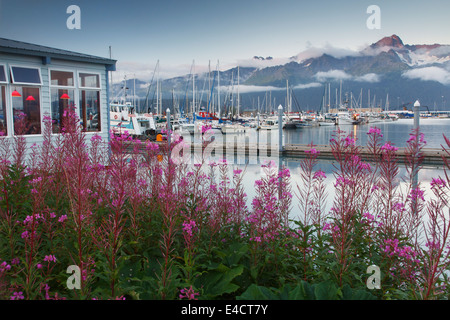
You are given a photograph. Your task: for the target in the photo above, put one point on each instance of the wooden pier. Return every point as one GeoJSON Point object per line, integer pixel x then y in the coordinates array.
{"type": "Point", "coordinates": [431, 156]}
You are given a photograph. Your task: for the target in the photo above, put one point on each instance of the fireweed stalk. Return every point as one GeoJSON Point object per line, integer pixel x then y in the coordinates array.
{"type": "Point", "coordinates": [311, 190]}
{"type": "Point", "coordinates": [269, 217]}
{"type": "Point", "coordinates": [434, 251]}
{"type": "Point", "coordinates": [79, 186]}
{"type": "Point", "coordinates": [355, 181]}
{"type": "Point", "coordinates": [109, 235]}
{"type": "Point", "coordinates": [345, 204]}
{"type": "Point", "coordinates": [168, 205]}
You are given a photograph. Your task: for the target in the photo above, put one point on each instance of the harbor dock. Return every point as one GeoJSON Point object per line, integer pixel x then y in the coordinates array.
{"type": "Point", "coordinates": [431, 156]}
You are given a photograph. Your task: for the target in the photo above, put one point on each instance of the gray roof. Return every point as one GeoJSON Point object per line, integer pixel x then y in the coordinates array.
{"type": "Point", "coordinates": [19, 47]}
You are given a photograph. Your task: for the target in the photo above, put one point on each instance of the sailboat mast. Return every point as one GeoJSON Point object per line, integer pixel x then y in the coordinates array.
{"type": "Point", "coordinates": [218, 89]}
{"type": "Point", "coordinates": [329, 97]}
{"type": "Point", "coordinates": [193, 87]}
{"type": "Point", "coordinates": [238, 100]}
{"type": "Point", "coordinates": [287, 96]}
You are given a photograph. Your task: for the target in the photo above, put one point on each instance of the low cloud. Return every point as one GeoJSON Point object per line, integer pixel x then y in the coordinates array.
{"type": "Point", "coordinates": [369, 77]}
{"type": "Point", "coordinates": [315, 52]}
{"type": "Point", "coordinates": [249, 88]}
{"type": "Point", "coordinates": [308, 85]}
{"type": "Point", "coordinates": [342, 75]}
{"type": "Point", "coordinates": [332, 75]}
{"type": "Point", "coordinates": [260, 64]}
{"type": "Point", "coordinates": [429, 74]}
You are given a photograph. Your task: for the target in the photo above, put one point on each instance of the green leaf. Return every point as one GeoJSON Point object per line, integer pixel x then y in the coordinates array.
{"type": "Point", "coordinates": [303, 291]}
{"type": "Point", "coordinates": [326, 291]}
{"type": "Point", "coordinates": [359, 294]}
{"type": "Point", "coordinates": [219, 281]}
{"type": "Point", "coordinates": [255, 292]}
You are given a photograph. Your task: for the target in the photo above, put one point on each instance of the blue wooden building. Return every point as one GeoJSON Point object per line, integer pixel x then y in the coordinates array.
{"type": "Point", "coordinates": [36, 81]}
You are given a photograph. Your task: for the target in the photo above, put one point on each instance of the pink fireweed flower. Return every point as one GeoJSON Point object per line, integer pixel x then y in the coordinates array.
{"type": "Point", "coordinates": [437, 182]}
{"type": "Point", "coordinates": [269, 164]}
{"type": "Point", "coordinates": [319, 175]}
{"type": "Point", "coordinates": [188, 293]}
{"type": "Point", "coordinates": [4, 267]}
{"type": "Point", "coordinates": [416, 194]}
{"type": "Point", "coordinates": [312, 151]}
{"type": "Point", "coordinates": [375, 130]}
{"type": "Point", "coordinates": [237, 172]}
{"type": "Point", "coordinates": [188, 227]}
{"type": "Point", "coordinates": [368, 216]}
{"type": "Point", "coordinates": [413, 138]}
{"type": "Point", "coordinates": [96, 137]}
{"type": "Point", "coordinates": [50, 258]}
{"type": "Point", "coordinates": [62, 218]}
{"type": "Point", "coordinates": [388, 147]}
{"type": "Point", "coordinates": [17, 296]}
{"type": "Point", "coordinates": [398, 206]}
{"type": "Point", "coordinates": [349, 141]}
{"type": "Point", "coordinates": [205, 128]}
{"type": "Point", "coordinates": [342, 181]}
{"type": "Point", "coordinates": [326, 226]}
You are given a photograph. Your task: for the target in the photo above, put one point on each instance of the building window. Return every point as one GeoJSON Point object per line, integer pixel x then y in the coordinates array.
{"type": "Point", "coordinates": [90, 110]}
{"type": "Point", "coordinates": [61, 78]}
{"type": "Point", "coordinates": [3, 126]}
{"type": "Point", "coordinates": [22, 75]}
{"type": "Point", "coordinates": [2, 74]}
{"type": "Point", "coordinates": [89, 80]}
{"type": "Point", "coordinates": [27, 104]}
{"type": "Point", "coordinates": [89, 107]}
{"type": "Point", "coordinates": [62, 96]}
{"type": "Point", "coordinates": [61, 99]}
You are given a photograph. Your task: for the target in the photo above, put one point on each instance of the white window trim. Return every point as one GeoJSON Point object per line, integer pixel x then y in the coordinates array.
{"type": "Point", "coordinates": [75, 75]}
{"type": "Point", "coordinates": [89, 88]}
{"type": "Point", "coordinates": [25, 83]}
{"type": "Point", "coordinates": [12, 133]}
{"type": "Point", "coordinates": [100, 105]}
{"type": "Point", "coordinates": [6, 74]}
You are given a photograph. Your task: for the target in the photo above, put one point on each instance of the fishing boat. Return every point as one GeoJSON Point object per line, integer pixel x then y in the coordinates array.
{"type": "Point", "coordinates": [269, 124]}
{"type": "Point", "coordinates": [123, 118]}
{"type": "Point", "coordinates": [233, 128]}
{"type": "Point", "coordinates": [327, 123]}
{"type": "Point", "coordinates": [182, 125]}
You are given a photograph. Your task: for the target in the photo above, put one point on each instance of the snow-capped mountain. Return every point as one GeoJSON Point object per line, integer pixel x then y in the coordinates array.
{"type": "Point", "coordinates": [388, 67]}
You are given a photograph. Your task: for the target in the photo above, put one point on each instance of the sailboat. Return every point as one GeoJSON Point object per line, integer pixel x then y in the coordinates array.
{"type": "Point", "coordinates": [123, 117]}
{"type": "Point", "coordinates": [324, 120]}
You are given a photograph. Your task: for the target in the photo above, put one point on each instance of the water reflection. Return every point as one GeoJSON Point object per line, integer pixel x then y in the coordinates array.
{"type": "Point", "coordinates": [254, 172]}
{"type": "Point", "coordinates": [396, 132]}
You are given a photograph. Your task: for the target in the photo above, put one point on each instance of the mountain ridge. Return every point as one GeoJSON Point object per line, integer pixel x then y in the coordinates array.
{"type": "Point", "coordinates": [387, 67]}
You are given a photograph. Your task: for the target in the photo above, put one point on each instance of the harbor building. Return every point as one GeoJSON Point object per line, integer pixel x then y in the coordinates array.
{"type": "Point", "coordinates": [38, 81]}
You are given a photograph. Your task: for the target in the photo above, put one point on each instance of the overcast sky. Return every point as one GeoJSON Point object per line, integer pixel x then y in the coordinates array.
{"type": "Point", "coordinates": [177, 32]}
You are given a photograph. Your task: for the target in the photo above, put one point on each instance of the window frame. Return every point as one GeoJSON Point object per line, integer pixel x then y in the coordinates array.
{"type": "Point", "coordinates": [80, 87]}
{"type": "Point", "coordinates": [13, 129]}
{"type": "Point", "coordinates": [5, 73]}
{"type": "Point", "coordinates": [11, 66]}
{"type": "Point", "coordinates": [75, 80]}
{"type": "Point", "coordinates": [80, 109]}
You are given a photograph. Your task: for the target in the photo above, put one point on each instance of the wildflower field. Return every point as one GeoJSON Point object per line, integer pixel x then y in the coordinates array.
{"type": "Point", "coordinates": [136, 225]}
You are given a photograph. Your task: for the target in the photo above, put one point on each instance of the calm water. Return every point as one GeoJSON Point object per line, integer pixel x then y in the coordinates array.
{"type": "Point", "coordinates": [396, 132]}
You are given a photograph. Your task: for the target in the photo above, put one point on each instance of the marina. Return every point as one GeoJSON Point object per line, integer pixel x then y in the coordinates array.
{"type": "Point", "coordinates": [251, 143]}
